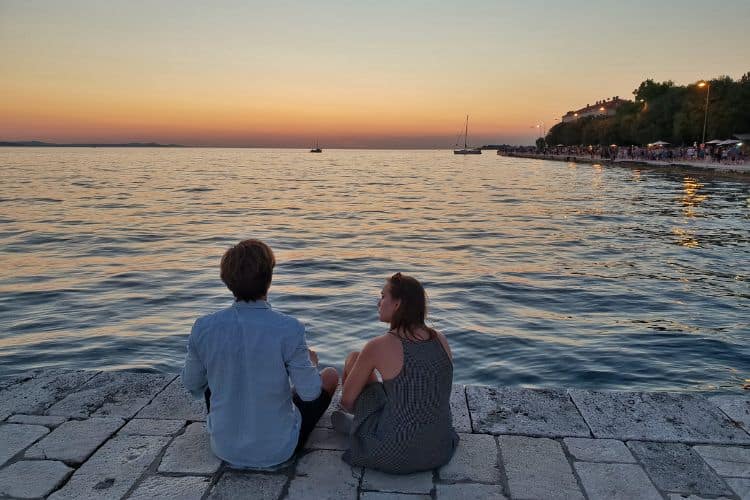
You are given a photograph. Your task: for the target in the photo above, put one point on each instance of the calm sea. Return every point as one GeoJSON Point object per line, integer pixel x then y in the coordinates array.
{"type": "Point", "coordinates": [540, 273]}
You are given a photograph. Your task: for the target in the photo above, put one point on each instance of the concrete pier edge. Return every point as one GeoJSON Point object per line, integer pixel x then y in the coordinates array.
{"type": "Point", "coordinates": [91, 434]}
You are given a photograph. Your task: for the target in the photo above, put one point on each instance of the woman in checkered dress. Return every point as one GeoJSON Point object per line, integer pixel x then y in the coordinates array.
{"type": "Point", "coordinates": [402, 424]}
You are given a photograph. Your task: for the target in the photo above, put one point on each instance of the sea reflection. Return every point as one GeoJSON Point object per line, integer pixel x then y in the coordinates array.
{"type": "Point", "coordinates": [690, 197]}
{"type": "Point", "coordinates": [540, 273]}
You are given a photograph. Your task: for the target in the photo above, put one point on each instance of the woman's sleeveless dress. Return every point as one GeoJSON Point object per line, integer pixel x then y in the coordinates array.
{"type": "Point", "coordinates": [404, 425]}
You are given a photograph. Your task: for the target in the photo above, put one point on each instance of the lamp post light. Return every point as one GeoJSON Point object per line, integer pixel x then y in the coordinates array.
{"type": "Point", "coordinates": [705, 112]}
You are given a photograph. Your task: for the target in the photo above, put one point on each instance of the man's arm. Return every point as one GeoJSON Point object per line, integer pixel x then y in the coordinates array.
{"type": "Point", "coordinates": [303, 374]}
{"type": "Point", "coordinates": [194, 372]}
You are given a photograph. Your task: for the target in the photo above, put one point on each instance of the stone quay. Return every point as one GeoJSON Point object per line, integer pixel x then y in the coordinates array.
{"type": "Point", "coordinates": [87, 434]}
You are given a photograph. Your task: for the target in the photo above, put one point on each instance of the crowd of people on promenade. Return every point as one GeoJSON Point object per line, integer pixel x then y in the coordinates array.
{"type": "Point", "coordinates": [728, 154]}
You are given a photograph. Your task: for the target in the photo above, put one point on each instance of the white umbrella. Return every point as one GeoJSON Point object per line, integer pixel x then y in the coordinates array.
{"type": "Point", "coordinates": [659, 143]}
{"type": "Point", "coordinates": [729, 142]}
{"type": "Point", "coordinates": [715, 141]}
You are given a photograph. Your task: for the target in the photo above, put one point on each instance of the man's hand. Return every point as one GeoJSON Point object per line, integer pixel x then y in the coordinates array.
{"type": "Point", "coordinates": [313, 357]}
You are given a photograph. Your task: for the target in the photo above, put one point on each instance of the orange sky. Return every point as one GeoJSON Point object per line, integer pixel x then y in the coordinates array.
{"type": "Point", "coordinates": [380, 75]}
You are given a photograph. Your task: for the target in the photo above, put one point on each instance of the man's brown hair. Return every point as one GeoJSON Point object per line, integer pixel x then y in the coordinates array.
{"type": "Point", "coordinates": [247, 268]}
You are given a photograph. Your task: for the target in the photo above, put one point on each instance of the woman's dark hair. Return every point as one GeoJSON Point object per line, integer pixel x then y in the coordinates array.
{"type": "Point", "coordinates": [412, 311]}
{"type": "Point", "coordinates": [247, 268]}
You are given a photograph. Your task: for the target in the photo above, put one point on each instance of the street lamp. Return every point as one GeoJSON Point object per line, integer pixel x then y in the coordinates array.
{"type": "Point", "coordinates": [705, 113]}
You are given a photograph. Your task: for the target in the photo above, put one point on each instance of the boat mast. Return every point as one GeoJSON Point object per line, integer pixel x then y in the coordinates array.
{"type": "Point", "coordinates": [466, 131]}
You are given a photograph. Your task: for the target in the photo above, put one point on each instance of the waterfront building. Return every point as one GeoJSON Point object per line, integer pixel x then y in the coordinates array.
{"type": "Point", "coordinates": [605, 107]}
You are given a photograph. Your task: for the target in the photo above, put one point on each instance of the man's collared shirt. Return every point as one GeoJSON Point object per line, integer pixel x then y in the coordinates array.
{"type": "Point", "coordinates": [247, 354]}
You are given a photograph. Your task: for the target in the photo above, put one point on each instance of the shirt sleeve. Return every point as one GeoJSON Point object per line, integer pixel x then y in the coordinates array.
{"type": "Point", "coordinates": [194, 376]}
{"type": "Point", "coordinates": [303, 374]}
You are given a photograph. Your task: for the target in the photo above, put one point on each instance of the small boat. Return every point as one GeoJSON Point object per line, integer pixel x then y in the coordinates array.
{"type": "Point", "coordinates": [466, 149]}
{"type": "Point", "coordinates": [316, 149]}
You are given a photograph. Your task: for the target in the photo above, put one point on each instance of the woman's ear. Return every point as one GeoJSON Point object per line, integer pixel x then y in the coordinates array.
{"type": "Point", "coordinates": [397, 305]}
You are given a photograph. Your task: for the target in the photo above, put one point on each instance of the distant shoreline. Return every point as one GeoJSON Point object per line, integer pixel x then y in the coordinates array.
{"type": "Point", "coordinates": [39, 144]}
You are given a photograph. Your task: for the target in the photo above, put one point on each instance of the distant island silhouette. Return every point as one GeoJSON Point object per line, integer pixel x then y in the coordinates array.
{"type": "Point", "coordinates": [40, 144]}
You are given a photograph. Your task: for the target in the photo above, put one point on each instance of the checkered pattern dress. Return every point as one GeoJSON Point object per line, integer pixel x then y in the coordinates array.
{"type": "Point", "coordinates": [404, 425]}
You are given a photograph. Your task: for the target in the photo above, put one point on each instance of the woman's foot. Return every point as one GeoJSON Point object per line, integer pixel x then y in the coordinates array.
{"type": "Point", "coordinates": [342, 422]}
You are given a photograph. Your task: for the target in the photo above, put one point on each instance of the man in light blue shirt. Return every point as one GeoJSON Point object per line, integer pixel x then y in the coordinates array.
{"type": "Point", "coordinates": [243, 359]}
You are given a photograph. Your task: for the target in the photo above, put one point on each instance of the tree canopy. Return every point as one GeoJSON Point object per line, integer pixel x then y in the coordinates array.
{"type": "Point", "coordinates": [668, 112]}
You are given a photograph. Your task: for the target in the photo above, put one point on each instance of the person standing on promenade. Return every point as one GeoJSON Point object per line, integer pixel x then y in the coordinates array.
{"type": "Point", "coordinates": [403, 424]}
{"type": "Point", "coordinates": [242, 360]}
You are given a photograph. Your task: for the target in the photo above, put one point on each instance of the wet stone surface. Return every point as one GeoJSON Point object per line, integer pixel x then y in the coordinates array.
{"type": "Point", "coordinates": [529, 412]}
{"type": "Point", "coordinates": [33, 393]}
{"type": "Point", "coordinates": [675, 467]}
{"type": "Point", "coordinates": [656, 417]}
{"type": "Point", "coordinates": [175, 402]}
{"type": "Point", "coordinates": [736, 407]}
{"type": "Point", "coordinates": [115, 394]}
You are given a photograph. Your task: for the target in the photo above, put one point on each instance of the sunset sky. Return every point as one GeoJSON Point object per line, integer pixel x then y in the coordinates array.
{"type": "Point", "coordinates": [352, 74]}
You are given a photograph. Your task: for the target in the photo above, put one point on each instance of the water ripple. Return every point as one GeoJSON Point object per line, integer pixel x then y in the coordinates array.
{"type": "Point", "coordinates": [540, 273]}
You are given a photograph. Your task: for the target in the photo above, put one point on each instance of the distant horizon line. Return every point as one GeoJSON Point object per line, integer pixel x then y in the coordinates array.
{"type": "Point", "coordinates": [41, 144]}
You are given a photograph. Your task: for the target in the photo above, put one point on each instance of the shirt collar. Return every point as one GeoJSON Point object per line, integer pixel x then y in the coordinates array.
{"type": "Point", "coordinates": [258, 304]}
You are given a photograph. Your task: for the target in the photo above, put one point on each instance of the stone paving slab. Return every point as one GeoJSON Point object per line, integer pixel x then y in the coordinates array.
{"type": "Point", "coordinates": [315, 473]}
{"type": "Point", "coordinates": [420, 482]}
{"type": "Point", "coordinates": [45, 420]}
{"type": "Point", "coordinates": [616, 482]}
{"type": "Point", "coordinates": [377, 495]}
{"type": "Point", "coordinates": [680, 496]}
{"type": "Point", "coordinates": [730, 461]}
{"type": "Point", "coordinates": [175, 402]}
{"type": "Point", "coordinates": [74, 441]}
{"type": "Point", "coordinates": [152, 427]}
{"type": "Point", "coordinates": [460, 409]}
{"type": "Point", "coordinates": [113, 469]}
{"type": "Point", "coordinates": [469, 491]}
{"type": "Point", "coordinates": [475, 459]}
{"type": "Point", "coordinates": [598, 450]}
{"type": "Point", "coordinates": [234, 484]}
{"type": "Point", "coordinates": [172, 488]}
{"type": "Point", "coordinates": [322, 438]}
{"type": "Point", "coordinates": [116, 394]}
{"type": "Point", "coordinates": [34, 392]}
{"type": "Point", "coordinates": [32, 479]}
{"type": "Point", "coordinates": [740, 486]}
{"type": "Point", "coordinates": [537, 468]}
{"type": "Point", "coordinates": [736, 407]}
{"type": "Point", "coordinates": [530, 412]}
{"type": "Point", "coordinates": [701, 451]}
{"type": "Point", "coordinates": [675, 467]}
{"type": "Point", "coordinates": [14, 438]}
{"type": "Point", "coordinates": [657, 416]}
{"type": "Point", "coordinates": [190, 453]}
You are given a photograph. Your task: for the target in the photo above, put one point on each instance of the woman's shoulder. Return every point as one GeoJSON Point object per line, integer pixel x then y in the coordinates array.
{"type": "Point", "coordinates": [444, 341]}
{"type": "Point", "coordinates": [381, 345]}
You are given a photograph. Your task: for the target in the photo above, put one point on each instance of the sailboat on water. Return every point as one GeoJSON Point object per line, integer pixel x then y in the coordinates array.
{"type": "Point", "coordinates": [316, 149]}
{"type": "Point", "coordinates": [466, 149]}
